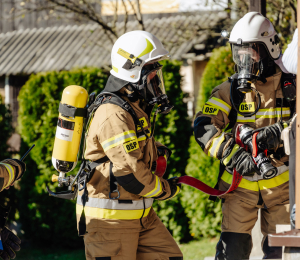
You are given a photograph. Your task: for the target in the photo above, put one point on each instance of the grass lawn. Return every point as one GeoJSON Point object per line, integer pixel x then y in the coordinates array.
{"type": "Point", "coordinates": [195, 250]}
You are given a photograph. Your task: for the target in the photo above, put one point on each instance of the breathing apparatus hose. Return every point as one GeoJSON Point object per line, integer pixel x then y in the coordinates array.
{"type": "Point", "coordinates": [234, 106]}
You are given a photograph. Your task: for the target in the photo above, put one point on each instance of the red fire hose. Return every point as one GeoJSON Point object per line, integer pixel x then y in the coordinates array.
{"type": "Point", "coordinates": [199, 185]}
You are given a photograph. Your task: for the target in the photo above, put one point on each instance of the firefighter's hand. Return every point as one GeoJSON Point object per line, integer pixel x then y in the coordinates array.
{"type": "Point", "coordinates": [241, 160]}
{"type": "Point", "coordinates": [174, 186]}
{"type": "Point", "coordinates": [11, 244]}
{"type": "Point", "coordinates": [164, 151]}
{"type": "Point", "coordinates": [270, 137]}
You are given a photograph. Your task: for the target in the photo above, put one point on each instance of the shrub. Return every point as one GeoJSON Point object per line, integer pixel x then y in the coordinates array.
{"type": "Point", "coordinates": [174, 131]}
{"type": "Point", "coordinates": [205, 215]}
{"type": "Point", "coordinates": [6, 128]}
{"type": "Point", "coordinates": [45, 219]}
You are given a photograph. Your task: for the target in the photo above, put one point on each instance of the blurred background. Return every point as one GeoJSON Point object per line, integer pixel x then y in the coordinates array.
{"type": "Point", "coordinates": [46, 45]}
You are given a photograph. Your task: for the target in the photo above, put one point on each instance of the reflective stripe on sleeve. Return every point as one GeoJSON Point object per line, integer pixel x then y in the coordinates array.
{"type": "Point", "coordinates": [215, 145]}
{"type": "Point", "coordinates": [118, 139]}
{"type": "Point", "coordinates": [113, 209]}
{"type": "Point", "coordinates": [219, 103]}
{"type": "Point", "coordinates": [233, 151]}
{"type": "Point", "coordinates": [11, 173]}
{"type": "Point", "coordinates": [156, 190]}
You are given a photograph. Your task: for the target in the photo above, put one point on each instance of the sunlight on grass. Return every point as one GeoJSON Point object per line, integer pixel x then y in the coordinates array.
{"type": "Point", "coordinates": [198, 250]}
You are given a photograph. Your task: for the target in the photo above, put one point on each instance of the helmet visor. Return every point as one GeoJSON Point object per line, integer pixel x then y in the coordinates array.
{"type": "Point", "coordinates": [247, 54]}
{"type": "Point", "coordinates": [154, 82]}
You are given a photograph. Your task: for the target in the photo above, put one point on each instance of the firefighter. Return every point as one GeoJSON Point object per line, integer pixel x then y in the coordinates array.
{"type": "Point", "coordinates": [255, 46]}
{"type": "Point", "coordinates": [115, 212]}
{"type": "Point", "coordinates": [10, 171]}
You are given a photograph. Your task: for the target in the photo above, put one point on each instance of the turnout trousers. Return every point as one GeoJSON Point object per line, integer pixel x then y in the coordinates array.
{"type": "Point", "coordinates": [239, 218]}
{"type": "Point", "coordinates": [152, 243]}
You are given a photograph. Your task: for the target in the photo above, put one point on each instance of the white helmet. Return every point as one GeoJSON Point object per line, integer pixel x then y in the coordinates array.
{"type": "Point", "coordinates": [255, 28]}
{"type": "Point", "coordinates": [132, 51]}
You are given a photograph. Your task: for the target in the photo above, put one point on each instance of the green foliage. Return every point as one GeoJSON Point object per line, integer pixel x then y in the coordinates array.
{"type": "Point", "coordinates": [205, 215]}
{"type": "Point", "coordinates": [6, 196]}
{"type": "Point", "coordinates": [50, 220]}
{"type": "Point", "coordinates": [6, 128]}
{"type": "Point", "coordinates": [45, 219]}
{"type": "Point", "coordinates": [174, 131]}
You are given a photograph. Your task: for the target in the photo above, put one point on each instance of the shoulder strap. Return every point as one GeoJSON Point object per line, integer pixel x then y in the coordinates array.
{"type": "Point", "coordinates": [113, 98]}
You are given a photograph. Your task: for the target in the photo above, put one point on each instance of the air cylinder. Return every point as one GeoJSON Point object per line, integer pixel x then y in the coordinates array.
{"type": "Point", "coordinates": [69, 128]}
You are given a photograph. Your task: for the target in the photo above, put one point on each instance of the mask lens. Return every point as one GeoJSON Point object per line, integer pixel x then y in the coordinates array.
{"type": "Point", "coordinates": [247, 54]}
{"type": "Point", "coordinates": [155, 86]}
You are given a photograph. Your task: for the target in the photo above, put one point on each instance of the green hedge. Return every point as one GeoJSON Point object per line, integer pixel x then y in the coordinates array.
{"type": "Point", "coordinates": [46, 219]}
{"type": "Point", "coordinates": [6, 128]}
{"type": "Point", "coordinates": [205, 215]}
{"type": "Point", "coordinates": [49, 220]}
{"type": "Point", "coordinates": [174, 131]}
{"type": "Point", "coordinates": [6, 196]}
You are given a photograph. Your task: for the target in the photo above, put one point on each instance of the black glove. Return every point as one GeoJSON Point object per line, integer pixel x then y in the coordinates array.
{"type": "Point", "coordinates": [10, 242]}
{"type": "Point", "coordinates": [173, 182]}
{"type": "Point", "coordinates": [238, 158]}
{"type": "Point", "coordinates": [162, 150]}
{"type": "Point", "coordinates": [269, 137]}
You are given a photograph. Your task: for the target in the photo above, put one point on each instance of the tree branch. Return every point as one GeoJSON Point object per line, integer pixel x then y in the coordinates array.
{"type": "Point", "coordinates": [125, 17]}
{"type": "Point", "coordinates": [137, 14]}
{"type": "Point", "coordinates": [115, 19]}
{"type": "Point", "coordinates": [294, 9]}
{"type": "Point", "coordinates": [91, 16]}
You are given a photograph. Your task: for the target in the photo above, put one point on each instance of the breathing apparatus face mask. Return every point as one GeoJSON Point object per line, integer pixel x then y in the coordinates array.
{"type": "Point", "coordinates": [152, 87]}
{"type": "Point", "coordinates": [248, 58]}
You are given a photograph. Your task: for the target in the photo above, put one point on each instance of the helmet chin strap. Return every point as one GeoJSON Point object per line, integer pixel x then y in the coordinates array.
{"type": "Point", "coordinates": [267, 69]}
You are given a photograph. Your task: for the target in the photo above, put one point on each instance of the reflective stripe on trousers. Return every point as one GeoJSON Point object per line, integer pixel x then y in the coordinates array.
{"type": "Point", "coordinates": [258, 185]}
{"type": "Point", "coordinates": [113, 209]}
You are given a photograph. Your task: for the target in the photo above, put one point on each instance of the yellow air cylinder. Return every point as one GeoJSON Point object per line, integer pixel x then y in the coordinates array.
{"type": "Point", "coordinates": [69, 130]}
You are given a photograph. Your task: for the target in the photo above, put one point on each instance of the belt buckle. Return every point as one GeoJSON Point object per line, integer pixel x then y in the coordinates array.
{"type": "Point", "coordinates": [114, 198]}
